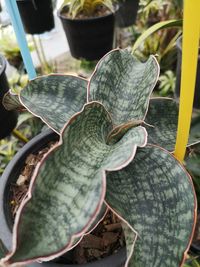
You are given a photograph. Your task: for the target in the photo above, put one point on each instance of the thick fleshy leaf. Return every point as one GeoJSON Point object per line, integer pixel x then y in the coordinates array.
{"type": "Point", "coordinates": [55, 98]}
{"type": "Point", "coordinates": [130, 238]}
{"type": "Point", "coordinates": [123, 84]}
{"type": "Point", "coordinates": [11, 102]}
{"type": "Point", "coordinates": [68, 187]}
{"type": "Point", "coordinates": [155, 195]}
{"type": "Point", "coordinates": [163, 118]}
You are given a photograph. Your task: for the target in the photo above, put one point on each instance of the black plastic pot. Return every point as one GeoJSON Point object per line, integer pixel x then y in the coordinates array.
{"type": "Point", "coordinates": [127, 13]}
{"type": "Point", "coordinates": [178, 76]}
{"type": "Point", "coordinates": [10, 176]}
{"type": "Point", "coordinates": [8, 119]}
{"type": "Point", "coordinates": [37, 15]}
{"type": "Point", "coordinates": [88, 38]}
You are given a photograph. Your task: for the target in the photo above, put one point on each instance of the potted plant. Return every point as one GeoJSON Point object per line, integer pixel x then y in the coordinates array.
{"type": "Point", "coordinates": [178, 75]}
{"type": "Point", "coordinates": [89, 27]}
{"type": "Point", "coordinates": [36, 15]}
{"type": "Point", "coordinates": [10, 48]}
{"type": "Point", "coordinates": [127, 13]}
{"type": "Point", "coordinates": [8, 119]}
{"type": "Point", "coordinates": [105, 157]}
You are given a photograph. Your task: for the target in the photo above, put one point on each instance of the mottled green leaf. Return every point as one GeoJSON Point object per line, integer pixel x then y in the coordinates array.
{"type": "Point", "coordinates": [163, 119]}
{"type": "Point", "coordinates": [11, 102]}
{"type": "Point", "coordinates": [155, 195]}
{"type": "Point", "coordinates": [130, 239]}
{"type": "Point", "coordinates": [55, 98]}
{"type": "Point", "coordinates": [69, 185]}
{"type": "Point", "coordinates": [123, 84]}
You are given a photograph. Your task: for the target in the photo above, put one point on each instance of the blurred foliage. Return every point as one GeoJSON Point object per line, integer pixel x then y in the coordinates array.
{"type": "Point", "coordinates": [17, 82]}
{"type": "Point", "coordinates": [28, 125]}
{"type": "Point", "coordinates": [192, 261]}
{"type": "Point", "coordinates": [9, 46]}
{"type": "Point", "coordinates": [163, 42]}
{"type": "Point", "coordinates": [167, 83]}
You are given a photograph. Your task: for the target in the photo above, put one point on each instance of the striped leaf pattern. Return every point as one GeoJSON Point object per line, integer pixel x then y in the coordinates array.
{"type": "Point", "coordinates": [163, 117]}
{"type": "Point", "coordinates": [55, 98]}
{"type": "Point", "coordinates": [155, 195]}
{"type": "Point", "coordinates": [70, 186]}
{"type": "Point", "coordinates": [123, 85]}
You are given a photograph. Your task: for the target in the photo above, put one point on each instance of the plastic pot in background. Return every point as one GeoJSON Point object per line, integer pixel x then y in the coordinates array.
{"type": "Point", "coordinates": [36, 15]}
{"type": "Point", "coordinates": [127, 13]}
{"type": "Point", "coordinates": [178, 76]}
{"type": "Point", "coordinates": [8, 119]}
{"type": "Point", "coordinates": [10, 176]}
{"type": "Point", "coordinates": [89, 38]}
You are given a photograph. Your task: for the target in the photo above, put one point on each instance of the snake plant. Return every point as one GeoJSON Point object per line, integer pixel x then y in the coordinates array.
{"type": "Point", "coordinates": [116, 149]}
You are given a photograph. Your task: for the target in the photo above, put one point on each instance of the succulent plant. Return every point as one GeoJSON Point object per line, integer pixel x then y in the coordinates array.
{"type": "Point", "coordinates": [111, 152]}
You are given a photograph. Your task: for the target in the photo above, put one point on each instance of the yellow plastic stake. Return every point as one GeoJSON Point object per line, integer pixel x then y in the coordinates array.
{"type": "Point", "coordinates": [191, 36]}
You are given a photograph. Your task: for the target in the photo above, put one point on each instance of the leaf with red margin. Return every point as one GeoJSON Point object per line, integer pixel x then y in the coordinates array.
{"type": "Point", "coordinates": [155, 195]}
{"type": "Point", "coordinates": [55, 98]}
{"type": "Point", "coordinates": [68, 187]}
{"type": "Point", "coordinates": [123, 85]}
{"type": "Point", "coordinates": [163, 119]}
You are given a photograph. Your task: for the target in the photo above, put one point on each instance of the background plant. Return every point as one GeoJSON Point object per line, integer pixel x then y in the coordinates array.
{"type": "Point", "coordinates": [86, 7]}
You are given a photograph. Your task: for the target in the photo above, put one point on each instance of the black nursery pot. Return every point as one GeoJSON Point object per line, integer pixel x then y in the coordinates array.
{"type": "Point", "coordinates": [127, 13]}
{"type": "Point", "coordinates": [178, 76]}
{"type": "Point", "coordinates": [89, 38]}
{"type": "Point", "coordinates": [8, 119]}
{"type": "Point", "coordinates": [36, 15]}
{"type": "Point", "coordinates": [10, 176]}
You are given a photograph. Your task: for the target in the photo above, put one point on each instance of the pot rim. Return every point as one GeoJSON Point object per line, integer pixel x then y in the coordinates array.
{"type": "Point", "coordinates": [59, 14]}
{"type": "Point", "coordinates": [2, 64]}
{"type": "Point", "coordinates": [5, 231]}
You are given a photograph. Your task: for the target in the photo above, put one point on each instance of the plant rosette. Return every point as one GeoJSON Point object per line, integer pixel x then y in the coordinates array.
{"type": "Point", "coordinates": [115, 149]}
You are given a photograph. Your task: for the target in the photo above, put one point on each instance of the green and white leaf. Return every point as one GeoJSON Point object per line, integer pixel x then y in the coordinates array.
{"type": "Point", "coordinates": [55, 98]}
{"type": "Point", "coordinates": [162, 117]}
{"type": "Point", "coordinates": [155, 195]}
{"type": "Point", "coordinates": [68, 187]}
{"type": "Point", "coordinates": [123, 85]}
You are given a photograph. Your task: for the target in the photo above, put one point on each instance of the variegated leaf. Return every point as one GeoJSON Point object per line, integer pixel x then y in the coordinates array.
{"type": "Point", "coordinates": [163, 119]}
{"type": "Point", "coordinates": [11, 102]}
{"type": "Point", "coordinates": [123, 84]}
{"type": "Point", "coordinates": [130, 238]}
{"type": "Point", "coordinates": [55, 98]}
{"type": "Point", "coordinates": [155, 195]}
{"type": "Point", "coordinates": [68, 187]}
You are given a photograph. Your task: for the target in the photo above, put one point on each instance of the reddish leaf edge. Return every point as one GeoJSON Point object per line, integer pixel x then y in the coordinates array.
{"type": "Point", "coordinates": [42, 76]}
{"type": "Point", "coordinates": [117, 50]}
{"type": "Point", "coordinates": [7, 260]}
{"type": "Point", "coordinates": [194, 215]}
